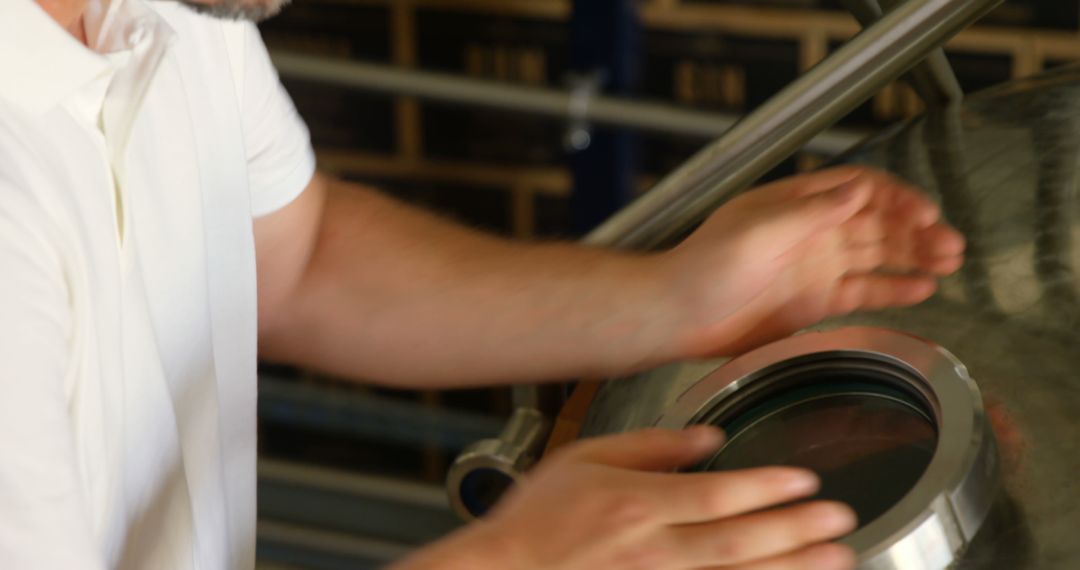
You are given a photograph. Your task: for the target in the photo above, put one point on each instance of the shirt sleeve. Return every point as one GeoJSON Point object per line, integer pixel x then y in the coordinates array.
{"type": "Point", "coordinates": [44, 518]}
{"type": "Point", "coordinates": [280, 159]}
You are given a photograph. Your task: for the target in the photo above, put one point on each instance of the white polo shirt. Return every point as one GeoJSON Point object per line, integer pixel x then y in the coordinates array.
{"type": "Point", "coordinates": [129, 177]}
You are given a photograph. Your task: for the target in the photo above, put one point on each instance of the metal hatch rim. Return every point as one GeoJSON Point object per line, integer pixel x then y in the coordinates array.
{"type": "Point", "coordinates": [934, 511]}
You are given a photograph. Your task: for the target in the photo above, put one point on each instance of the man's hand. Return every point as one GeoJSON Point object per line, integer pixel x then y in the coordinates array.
{"type": "Point", "coordinates": [612, 503]}
{"type": "Point", "coordinates": [787, 255]}
{"type": "Point", "coordinates": [360, 286]}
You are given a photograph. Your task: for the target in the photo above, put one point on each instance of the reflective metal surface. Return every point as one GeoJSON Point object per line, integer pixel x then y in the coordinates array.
{"type": "Point", "coordinates": [560, 103]}
{"type": "Point", "coordinates": [933, 79]}
{"type": "Point", "coordinates": [892, 424]}
{"type": "Point", "coordinates": [898, 41]}
{"type": "Point", "coordinates": [487, 468]}
{"type": "Point", "coordinates": [1005, 168]}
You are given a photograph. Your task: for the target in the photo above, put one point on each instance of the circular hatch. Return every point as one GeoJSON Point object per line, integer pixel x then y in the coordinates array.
{"type": "Point", "coordinates": [892, 424]}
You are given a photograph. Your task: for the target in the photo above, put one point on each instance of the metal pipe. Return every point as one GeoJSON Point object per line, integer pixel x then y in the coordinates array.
{"type": "Point", "coordinates": [933, 79]}
{"type": "Point", "coordinates": [320, 517]}
{"type": "Point", "coordinates": [369, 415]}
{"type": "Point", "coordinates": [361, 504]}
{"type": "Point", "coordinates": [654, 117]}
{"type": "Point", "coordinates": [1058, 175]}
{"type": "Point", "coordinates": [351, 485]}
{"type": "Point", "coordinates": [301, 546]}
{"type": "Point", "coordinates": [943, 138]}
{"type": "Point", "coordinates": [763, 139]}
{"type": "Point", "coordinates": [487, 468]}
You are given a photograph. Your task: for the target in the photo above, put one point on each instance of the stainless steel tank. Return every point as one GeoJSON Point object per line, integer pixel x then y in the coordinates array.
{"type": "Point", "coordinates": [1005, 331]}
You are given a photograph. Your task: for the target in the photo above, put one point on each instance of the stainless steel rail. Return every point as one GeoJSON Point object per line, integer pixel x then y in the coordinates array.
{"type": "Point", "coordinates": [882, 52]}
{"type": "Point", "coordinates": [284, 546]}
{"type": "Point", "coordinates": [361, 504]}
{"type": "Point", "coordinates": [347, 412]}
{"type": "Point", "coordinates": [655, 117]}
{"type": "Point", "coordinates": [320, 517]}
{"type": "Point", "coordinates": [933, 79]}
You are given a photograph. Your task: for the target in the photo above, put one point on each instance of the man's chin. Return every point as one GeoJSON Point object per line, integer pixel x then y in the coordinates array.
{"type": "Point", "coordinates": [251, 10]}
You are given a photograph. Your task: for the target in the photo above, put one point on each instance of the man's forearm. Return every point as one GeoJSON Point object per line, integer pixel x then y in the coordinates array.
{"type": "Point", "coordinates": [362, 286]}
{"type": "Point", "coordinates": [400, 296]}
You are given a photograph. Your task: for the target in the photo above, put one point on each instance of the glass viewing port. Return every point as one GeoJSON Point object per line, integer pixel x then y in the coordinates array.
{"type": "Point", "coordinates": [893, 424]}
{"type": "Point", "coordinates": [869, 442]}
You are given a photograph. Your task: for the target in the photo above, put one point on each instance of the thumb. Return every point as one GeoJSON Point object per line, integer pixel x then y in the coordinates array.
{"type": "Point", "coordinates": [650, 450]}
{"type": "Point", "coordinates": [789, 223]}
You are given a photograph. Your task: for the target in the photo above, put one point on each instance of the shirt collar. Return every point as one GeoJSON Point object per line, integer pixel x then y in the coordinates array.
{"type": "Point", "coordinates": [41, 63]}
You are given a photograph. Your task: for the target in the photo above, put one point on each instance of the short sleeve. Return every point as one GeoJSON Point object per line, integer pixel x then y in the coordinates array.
{"type": "Point", "coordinates": [280, 159]}
{"type": "Point", "coordinates": [44, 517]}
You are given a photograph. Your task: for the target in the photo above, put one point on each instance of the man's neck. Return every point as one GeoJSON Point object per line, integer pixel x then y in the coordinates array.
{"type": "Point", "coordinates": [68, 14]}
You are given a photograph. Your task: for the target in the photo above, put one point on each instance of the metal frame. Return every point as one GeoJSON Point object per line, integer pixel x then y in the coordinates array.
{"type": "Point", "coordinates": [936, 520]}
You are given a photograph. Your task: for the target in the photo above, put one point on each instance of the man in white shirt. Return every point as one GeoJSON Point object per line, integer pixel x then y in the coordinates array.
{"type": "Point", "coordinates": [160, 215]}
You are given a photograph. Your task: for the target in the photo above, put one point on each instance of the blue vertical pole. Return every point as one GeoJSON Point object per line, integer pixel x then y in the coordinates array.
{"type": "Point", "coordinates": [605, 44]}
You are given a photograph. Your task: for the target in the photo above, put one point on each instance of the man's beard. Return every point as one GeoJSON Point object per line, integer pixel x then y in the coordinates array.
{"type": "Point", "coordinates": [239, 9]}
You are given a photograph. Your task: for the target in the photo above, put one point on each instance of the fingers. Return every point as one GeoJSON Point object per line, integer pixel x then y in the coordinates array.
{"type": "Point", "coordinates": [902, 211]}
{"type": "Point", "coordinates": [900, 203]}
{"type": "Point", "coordinates": [878, 238]}
{"type": "Point", "coordinates": [906, 204]}
{"type": "Point", "coordinates": [867, 258]}
{"type": "Point", "coordinates": [860, 207]}
{"type": "Point", "coordinates": [817, 557]}
{"type": "Point", "coordinates": [792, 222]}
{"type": "Point", "coordinates": [878, 291]}
{"type": "Point", "coordinates": [804, 185]}
{"type": "Point", "coordinates": [687, 498]}
{"type": "Point", "coordinates": [648, 450]}
{"type": "Point", "coordinates": [592, 508]}
{"type": "Point", "coordinates": [890, 193]}
{"type": "Point", "coordinates": [941, 240]}
{"type": "Point", "coordinates": [895, 201]}
{"type": "Point", "coordinates": [909, 254]}
{"type": "Point", "coordinates": [871, 205]}
{"type": "Point", "coordinates": [764, 535]}
{"type": "Point", "coordinates": [915, 208]}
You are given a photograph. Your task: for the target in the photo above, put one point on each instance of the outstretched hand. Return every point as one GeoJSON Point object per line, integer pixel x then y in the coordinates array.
{"type": "Point", "coordinates": [611, 503]}
{"type": "Point", "coordinates": [789, 254]}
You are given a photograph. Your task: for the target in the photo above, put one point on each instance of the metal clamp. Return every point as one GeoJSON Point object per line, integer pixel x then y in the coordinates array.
{"type": "Point", "coordinates": [488, 468]}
